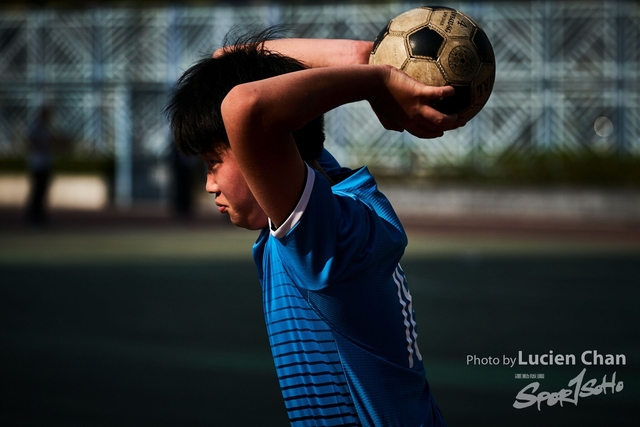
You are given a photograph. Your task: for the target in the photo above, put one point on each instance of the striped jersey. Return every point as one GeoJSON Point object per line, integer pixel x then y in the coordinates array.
{"type": "Point", "coordinates": [338, 310]}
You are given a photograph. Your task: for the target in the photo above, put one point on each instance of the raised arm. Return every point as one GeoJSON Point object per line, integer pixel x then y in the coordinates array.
{"type": "Point", "coordinates": [316, 53]}
{"type": "Point", "coordinates": [260, 116]}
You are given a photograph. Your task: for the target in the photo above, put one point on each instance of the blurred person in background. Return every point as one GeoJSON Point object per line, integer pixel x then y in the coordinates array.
{"type": "Point", "coordinates": [40, 162]}
{"type": "Point", "coordinates": [184, 170]}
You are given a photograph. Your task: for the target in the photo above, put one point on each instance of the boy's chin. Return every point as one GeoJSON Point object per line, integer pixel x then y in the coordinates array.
{"type": "Point", "coordinates": [250, 223]}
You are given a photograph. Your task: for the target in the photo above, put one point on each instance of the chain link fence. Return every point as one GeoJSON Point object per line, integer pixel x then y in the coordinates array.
{"type": "Point", "coordinates": [567, 80]}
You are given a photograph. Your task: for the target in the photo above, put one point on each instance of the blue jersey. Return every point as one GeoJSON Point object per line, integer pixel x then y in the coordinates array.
{"type": "Point", "coordinates": [338, 310]}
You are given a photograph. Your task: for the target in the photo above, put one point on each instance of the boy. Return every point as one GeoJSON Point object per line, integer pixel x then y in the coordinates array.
{"type": "Point", "coordinates": [337, 307]}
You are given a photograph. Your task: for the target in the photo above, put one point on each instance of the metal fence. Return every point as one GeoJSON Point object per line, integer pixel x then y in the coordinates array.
{"type": "Point", "coordinates": [561, 66]}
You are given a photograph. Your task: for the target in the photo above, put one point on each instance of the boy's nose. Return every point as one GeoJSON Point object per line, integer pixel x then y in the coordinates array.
{"type": "Point", "coordinates": [211, 186]}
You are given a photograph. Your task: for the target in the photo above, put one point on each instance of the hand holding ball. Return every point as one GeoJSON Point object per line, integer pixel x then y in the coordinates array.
{"type": "Point", "coordinates": [440, 46]}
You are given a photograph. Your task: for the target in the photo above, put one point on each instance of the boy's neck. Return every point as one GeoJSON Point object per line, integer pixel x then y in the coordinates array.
{"type": "Point", "coordinates": [314, 164]}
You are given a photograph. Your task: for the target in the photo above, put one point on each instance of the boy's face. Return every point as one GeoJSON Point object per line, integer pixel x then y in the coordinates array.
{"type": "Point", "coordinates": [233, 197]}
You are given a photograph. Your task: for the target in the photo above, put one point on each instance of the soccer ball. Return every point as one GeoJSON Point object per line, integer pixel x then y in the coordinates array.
{"type": "Point", "coordinates": [439, 46]}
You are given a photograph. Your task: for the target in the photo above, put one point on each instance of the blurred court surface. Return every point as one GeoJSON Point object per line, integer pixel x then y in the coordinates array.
{"type": "Point", "coordinates": [161, 325]}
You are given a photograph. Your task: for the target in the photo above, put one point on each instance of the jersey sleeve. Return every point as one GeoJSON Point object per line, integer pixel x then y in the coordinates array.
{"type": "Point", "coordinates": [335, 233]}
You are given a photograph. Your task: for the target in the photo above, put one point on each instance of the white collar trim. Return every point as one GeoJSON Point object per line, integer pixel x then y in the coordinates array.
{"type": "Point", "coordinates": [295, 216]}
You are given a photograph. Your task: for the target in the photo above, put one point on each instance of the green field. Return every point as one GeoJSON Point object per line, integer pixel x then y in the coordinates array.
{"type": "Point", "coordinates": [163, 326]}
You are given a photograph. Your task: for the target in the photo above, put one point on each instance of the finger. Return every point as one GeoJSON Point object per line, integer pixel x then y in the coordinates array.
{"type": "Point", "coordinates": [389, 125]}
{"type": "Point", "coordinates": [438, 92]}
{"type": "Point", "coordinates": [424, 128]}
{"type": "Point", "coordinates": [432, 119]}
{"type": "Point", "coordinates": [424, 133]}
{"type": "Point", "coordinates": [434, 94]}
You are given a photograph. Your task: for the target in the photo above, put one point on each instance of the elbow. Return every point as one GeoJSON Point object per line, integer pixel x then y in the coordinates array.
{"type": "Point", "coordinates": [240, 110]}
{"type": "Point", "coordinates": [240, 99]}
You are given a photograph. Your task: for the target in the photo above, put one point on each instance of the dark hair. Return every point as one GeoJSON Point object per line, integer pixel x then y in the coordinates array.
{"type": "Point", "coordinates": [194, 106]}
